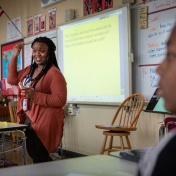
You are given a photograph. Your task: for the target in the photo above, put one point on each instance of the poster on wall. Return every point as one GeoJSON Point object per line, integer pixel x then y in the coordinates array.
{"type": "Point", "coordinates": [42, 23]}
{"type": "Point", "coordinates": [6, 56]}
{"type": "Point", "coordinates": [37, 23]}
{"type": "Point", "coordinates": [108, 4]}
{"type": "Point", "coordinates": [29, 26]}
{"type": "Point", "coordinates": [14, 29]}
{"type": "Point", "coordinates": [97, 6]}
{"type": "Point", "coordinates": [94, 6]}
{"type": "Point", "coordinates": [87, 7]}
{"type": "Point", "coordinates": [52, 18]}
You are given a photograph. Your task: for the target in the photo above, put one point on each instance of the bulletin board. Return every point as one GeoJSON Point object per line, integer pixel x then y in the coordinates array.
{"type": "Point", "coordinates": [149, 45]}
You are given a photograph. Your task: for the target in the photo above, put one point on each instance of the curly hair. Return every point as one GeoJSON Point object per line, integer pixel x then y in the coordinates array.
{"type": "Point", "coordinates": [50, 61]}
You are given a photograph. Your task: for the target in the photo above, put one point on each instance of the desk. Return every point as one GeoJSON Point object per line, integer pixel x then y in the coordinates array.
{"type": "Point", "coordinates": [95, 165]}
{"type": "Point", "coordinates": [11, 127]}
{"type": "Point", "coordinates": [8, 126]}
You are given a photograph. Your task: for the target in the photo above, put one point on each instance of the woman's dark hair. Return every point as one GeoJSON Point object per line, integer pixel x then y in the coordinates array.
{"type": "Point", "coordinates": [51, 60]}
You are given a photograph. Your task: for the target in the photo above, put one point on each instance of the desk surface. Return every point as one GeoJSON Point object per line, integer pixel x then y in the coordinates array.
{"type": "Point", "coordinates": [95, 165]}
{"type": "Point", "coordinates": [6, 126]}
{"type": "Point", "coordinates": [132, 155]}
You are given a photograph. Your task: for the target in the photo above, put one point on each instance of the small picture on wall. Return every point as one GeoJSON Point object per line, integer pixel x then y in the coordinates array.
{"type": "Point", "coordinates": [98, 6]}
{"type": "Point", "coordinates": [52, 21]}
{"type": "Point", "coordinates": [42, 23]}
{"type": "Point", "coordinates": [94, 6]}
{"type": "Point", "coordinates": [108, 4]}
{"type": "Point", "coordinates": [52, 18]}
{"type": "Point", "coordinates": [87, 7]}
{"type": "Point", "coordinates": [30, 26]}
{"type": "Point", "coordinates": [37, 24]}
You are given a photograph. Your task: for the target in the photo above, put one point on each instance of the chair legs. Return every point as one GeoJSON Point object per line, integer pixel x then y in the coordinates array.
{"type": "Point", "coordinates": [121, 142]}
{"type": "Point", "coordinates": [113, 148]}
{"type": "Point", "coordinates": [111, 142]}
{"type": "Point", "coordinates": [104, 145]}
{"type": "Point", "coordinates": [128, 142]}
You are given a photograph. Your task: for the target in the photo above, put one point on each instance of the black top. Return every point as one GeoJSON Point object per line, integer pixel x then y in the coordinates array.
{"type": "Point", "coordinates": [161, 160]}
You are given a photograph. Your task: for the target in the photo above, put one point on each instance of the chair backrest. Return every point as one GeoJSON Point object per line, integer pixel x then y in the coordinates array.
{"type": "Point", "coordinates": [4, 113]}
{"type": "Point", "coordinates": [128, 112]}
{"type": "Point", "coordinates": [170, 123]}
{"type": "Point", "coordinates": [13, 111]}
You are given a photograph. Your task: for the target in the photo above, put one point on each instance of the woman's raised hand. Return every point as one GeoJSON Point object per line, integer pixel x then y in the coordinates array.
{"type": "Point", "coordinates": [18, 48]}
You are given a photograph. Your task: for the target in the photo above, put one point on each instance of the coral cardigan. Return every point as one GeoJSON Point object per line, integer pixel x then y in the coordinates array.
{"type": "Point", "coordinates": [46, 111]}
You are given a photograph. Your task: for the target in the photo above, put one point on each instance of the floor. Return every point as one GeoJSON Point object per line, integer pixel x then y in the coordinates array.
{"type": "Point", "coordinates": [15, 157]}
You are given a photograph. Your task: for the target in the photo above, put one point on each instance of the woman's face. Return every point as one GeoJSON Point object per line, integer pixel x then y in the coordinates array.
{"type": "Point", "coordinates": [167, 72]}
{"type": "Point", "coordinates": [40, 53]}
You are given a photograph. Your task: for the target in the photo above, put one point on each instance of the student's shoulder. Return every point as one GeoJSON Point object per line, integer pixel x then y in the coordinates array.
{"type": "Point", "coordinates": [169, 140]}
{"type": "Point", "coordinates": [161, 159]}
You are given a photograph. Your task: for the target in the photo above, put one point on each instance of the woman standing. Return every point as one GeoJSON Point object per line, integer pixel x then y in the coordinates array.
{"type": "Point", "coordinates": [44, 88]}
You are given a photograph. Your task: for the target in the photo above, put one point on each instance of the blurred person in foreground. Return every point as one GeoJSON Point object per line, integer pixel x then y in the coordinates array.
{"type": "Point", "coordinates": [161, 160]}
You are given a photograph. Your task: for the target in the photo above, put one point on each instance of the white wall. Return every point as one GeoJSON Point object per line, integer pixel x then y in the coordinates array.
{"type": "Point", "coordinates": [81, 136]}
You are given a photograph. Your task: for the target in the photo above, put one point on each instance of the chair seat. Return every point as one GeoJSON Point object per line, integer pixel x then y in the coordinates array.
{"type": "Point", "coordinates": [115, 128]}
{"type": "Point", "coordinates": [116, 133]}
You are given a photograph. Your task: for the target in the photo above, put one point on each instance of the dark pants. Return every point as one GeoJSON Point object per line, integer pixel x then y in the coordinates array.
{"type": "Point", "coordinates": [35, 147]}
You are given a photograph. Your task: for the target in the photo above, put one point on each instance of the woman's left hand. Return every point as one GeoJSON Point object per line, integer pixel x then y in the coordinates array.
{"type": "Point", "coordinates": [27, 92]}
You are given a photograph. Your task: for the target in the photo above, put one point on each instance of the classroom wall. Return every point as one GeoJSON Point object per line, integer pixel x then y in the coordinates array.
{"type": "Point", "coordinates": [80, 134]}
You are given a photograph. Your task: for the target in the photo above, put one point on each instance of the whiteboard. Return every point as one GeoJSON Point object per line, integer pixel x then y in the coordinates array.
{"type": "Point", "coordinates": [94, 57]}
{"type": "Point", "coordinates": [27, 47]}
{"type": "Point", "coordinates": [149, 44]}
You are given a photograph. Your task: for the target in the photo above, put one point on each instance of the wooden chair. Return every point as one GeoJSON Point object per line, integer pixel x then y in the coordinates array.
{"type": "Point", "coordinates": [4, 113]}
{"type": "Point", "coordinates": [123, 122]}
{"type": "Point", "coordinates": [13, 111]}
{"type": "Point", "coordinates": [13, 118]}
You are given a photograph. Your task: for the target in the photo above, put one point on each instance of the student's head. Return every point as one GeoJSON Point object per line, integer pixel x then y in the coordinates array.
{"type": "Point", "coordinates": [167, 72]}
